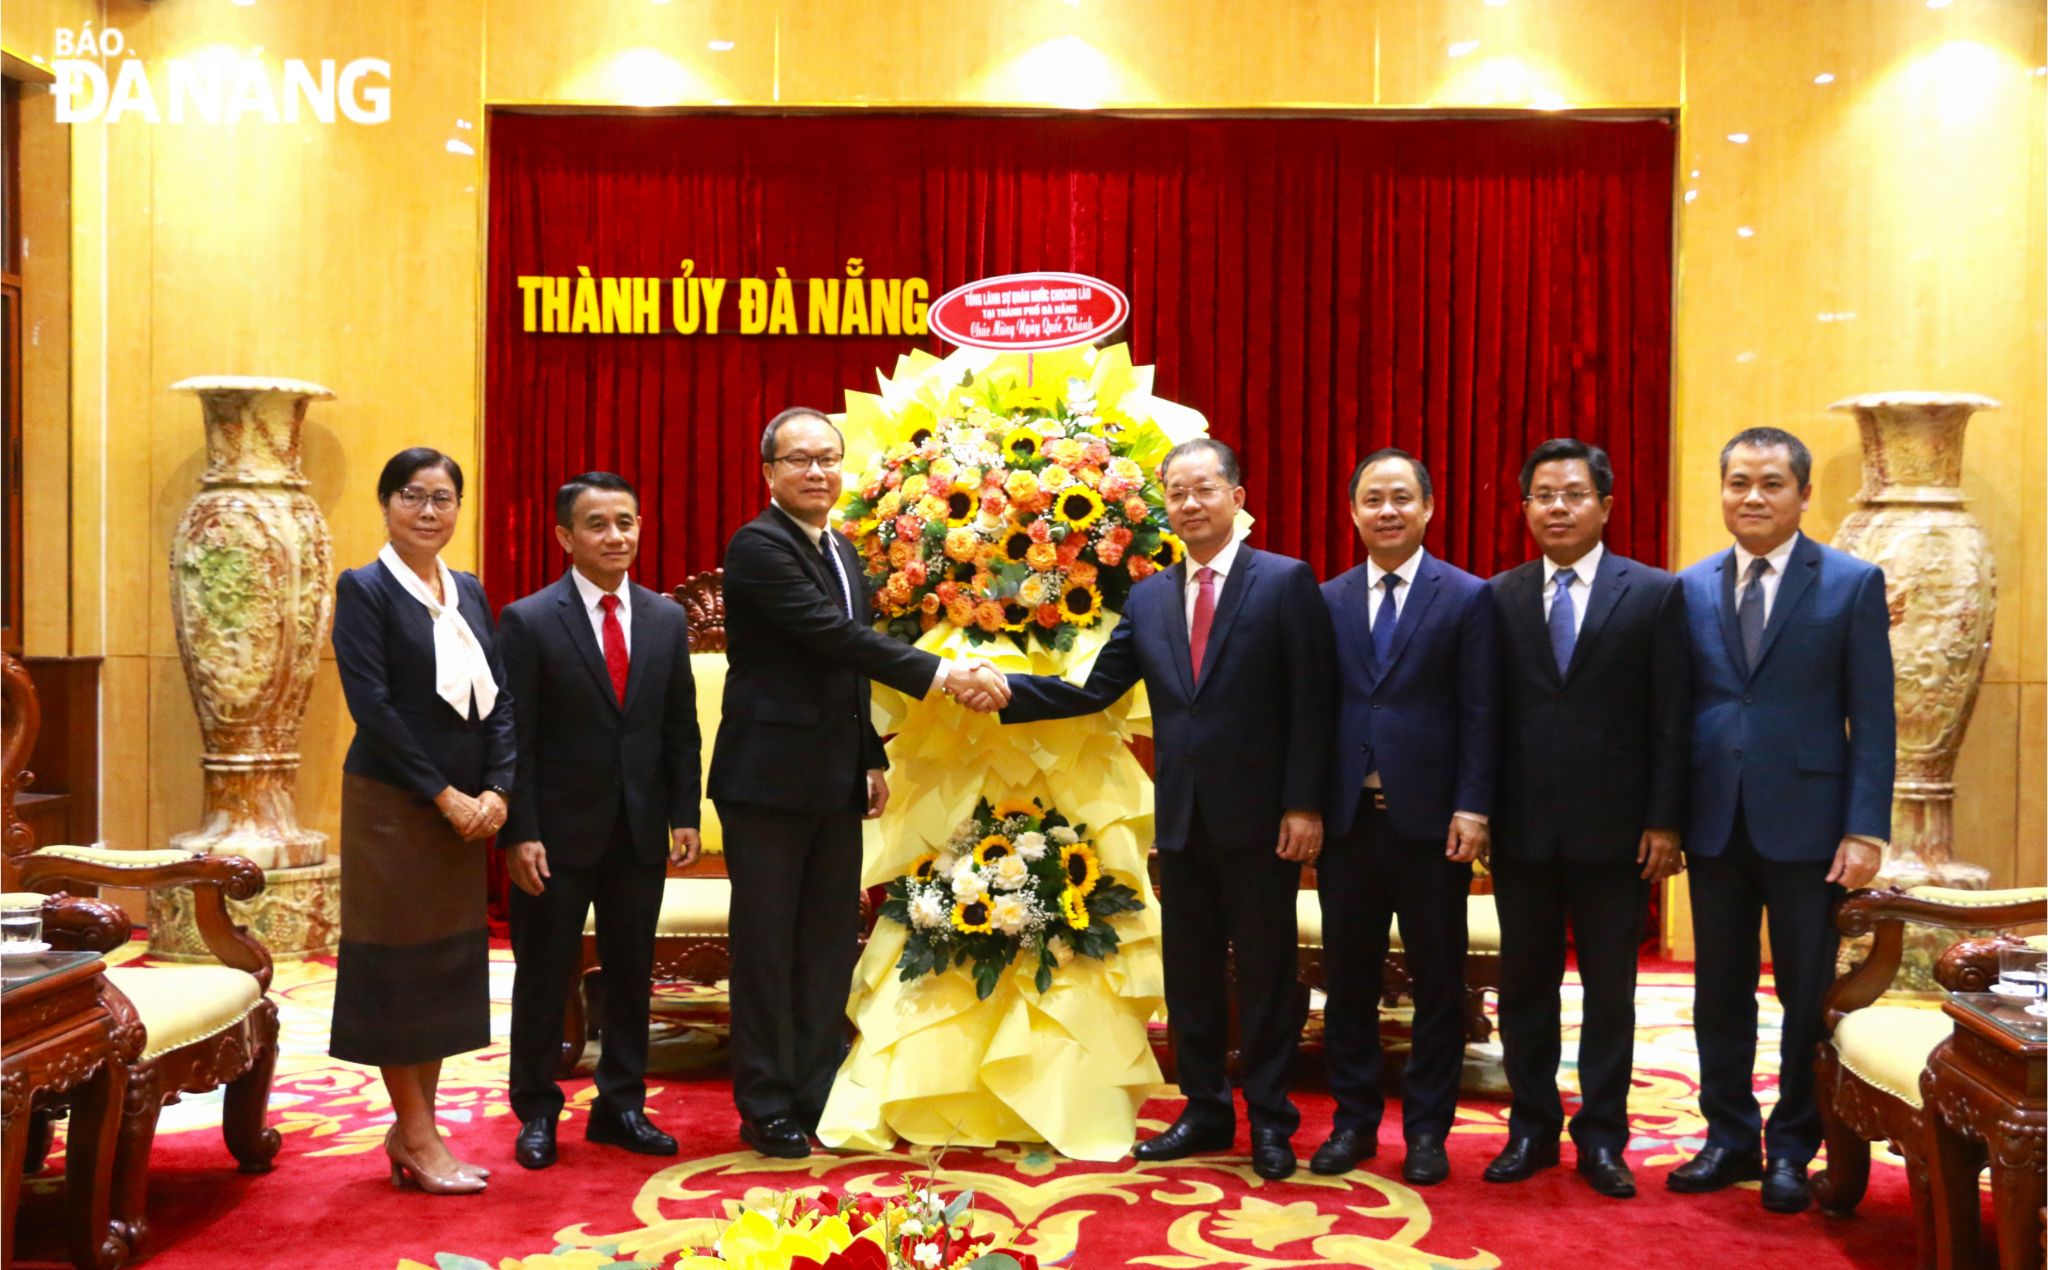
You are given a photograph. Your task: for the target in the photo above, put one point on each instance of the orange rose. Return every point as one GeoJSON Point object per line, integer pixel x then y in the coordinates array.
{"type": "Point", "coordinates": [1040, 531]}
{"type": "Point", "coordinates": [1081, 573]}
{"type": "Point", "coordinates": [1043, 556]}
{"type": "Point", "coordinates": [1135, 510]}
{"type": "Point", "coordinates": [1071, 548]}
{"type": "Point", "coordinates": [1110, 554]}
{"type": "Point", "coordinates": [930, 602]}
{"type": "Point", "coordinates": [1047, 615]}
{"type": "Point", "coordinates": [1121, 536]}
{"type": "Point", "coordinates": [960, 612]}
{"type": "Point", "coordinates": [1142, 568]}
{"type": "Point", "coordinates": [901, 552]}
{"type": "Point", "coordinates": [988, 615]}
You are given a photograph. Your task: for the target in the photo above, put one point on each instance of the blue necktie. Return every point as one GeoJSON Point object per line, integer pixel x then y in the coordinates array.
{"type": "Point", "coordinates": [838, 574]}
{"type": "Point", "coordinates": [1749, 614]}
{"type": "Point", "coordinates": [1562, 636]}
{"type": "Point", "coordinates": [1383, 624]}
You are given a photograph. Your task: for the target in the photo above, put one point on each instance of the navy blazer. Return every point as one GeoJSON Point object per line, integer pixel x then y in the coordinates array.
{"type": "Point", "coordinates": [1425, 720]}
{"type": "Point", "coordinates": [405, 734]}
{"type": "Point", "coordinates": [583, 756]}
{"type": "Point", "coordinates": [1250, 741]}
{"type": "Point", "coordinates": [1802, 740]}
{"type": "Point", "coordinates": [797, 730]}
{"type": "Point", "coordinates": [1592, 757]}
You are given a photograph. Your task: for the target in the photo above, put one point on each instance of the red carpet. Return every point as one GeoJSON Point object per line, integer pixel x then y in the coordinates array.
{"type": "Point", "coordinates": [329, 1204]}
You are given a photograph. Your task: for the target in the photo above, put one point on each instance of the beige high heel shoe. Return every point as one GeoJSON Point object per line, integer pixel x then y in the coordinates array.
{"type": "Point", "coordinates": [404, 1168]}
{"type": "Point", "coordinates": [461, 1166]}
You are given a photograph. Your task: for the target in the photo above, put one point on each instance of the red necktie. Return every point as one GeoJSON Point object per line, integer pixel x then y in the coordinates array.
{"type": "Point", "coordinates": [614, 644]}
{"type": "Point", "coordinates": [1205, 613]}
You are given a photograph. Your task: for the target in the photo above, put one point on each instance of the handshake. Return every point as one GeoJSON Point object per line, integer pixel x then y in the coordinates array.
{"type": "Point", "coordinates": [978, 685]}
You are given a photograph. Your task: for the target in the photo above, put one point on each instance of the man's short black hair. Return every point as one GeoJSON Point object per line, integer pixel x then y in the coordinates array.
{"type": "Point", "coordinates": [1390, 452]}
{"type": "Point", "coordinates": [795, 412]}
{"type": "Point", "coordinates": [1561, 449]}
{"type": "Point", "coordinates": [575, 487]}
{"type": "Point", "coordinates": [1226, 458]}
{"type": "Point", "coordinates": [1771, 439]}
{"type": "Point", "coordinates": [406, 464]}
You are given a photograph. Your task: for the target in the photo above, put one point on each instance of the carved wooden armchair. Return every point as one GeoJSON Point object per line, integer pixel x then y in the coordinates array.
{"type": "Point", "coordinates": [690, 934]}
{"type": "Point", "coordinates": [1869, 1066]}
{"type": "Point", "coordinates": [201, 1026]}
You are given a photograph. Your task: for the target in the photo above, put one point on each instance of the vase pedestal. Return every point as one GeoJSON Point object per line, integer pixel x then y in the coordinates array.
{"type": "Point", "coordinates": [297, 915]}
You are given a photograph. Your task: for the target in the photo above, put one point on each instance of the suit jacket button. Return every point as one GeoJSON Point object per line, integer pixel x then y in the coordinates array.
{"type": "Point", "coordinates": [1375, 705]}
{"type": "Point", "coordinates": [1748, 700]}
{"type": "Point", "coordinates": [1738, 754]}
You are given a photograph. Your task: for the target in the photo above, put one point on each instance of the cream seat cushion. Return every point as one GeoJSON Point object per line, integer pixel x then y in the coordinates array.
{"type": "Point", "coordinates": [1482, 923]}
{"type": "Point", "coordinates": [1888, 1046]}
{"type": "Point", "coordinates": [689, 906]}
{"type": "Point", "coordinates": [179, 1005]}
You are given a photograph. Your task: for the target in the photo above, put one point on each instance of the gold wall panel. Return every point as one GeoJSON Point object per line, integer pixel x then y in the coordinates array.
{"type": "Point", "coordinates": [45, 167]}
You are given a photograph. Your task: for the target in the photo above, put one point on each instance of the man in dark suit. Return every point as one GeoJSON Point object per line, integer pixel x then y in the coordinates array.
{"type": "Point", "coordinates": [1411, 788]}
{"type": "Point", "coordinates": [606, 793]}
{"type": "Point", "coordinates": [1792, 736]}
{"type": "Point", "coordinates": [1595, 732]}
{"type": "Point", "coordinates": [796, 766]}
{"type": "Point", "coordinates": [1234, 648]}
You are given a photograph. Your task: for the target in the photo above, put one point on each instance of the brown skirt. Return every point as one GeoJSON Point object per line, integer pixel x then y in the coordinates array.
{"type": "Point", "coordinates": [412, 982]}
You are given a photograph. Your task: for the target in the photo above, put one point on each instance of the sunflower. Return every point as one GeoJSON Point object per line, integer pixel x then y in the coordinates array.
{"type": "Point", "coordinates": [1073, 907]}
{"type": "Point", "coordinates": [926, 867]}
{"type": "Point", "coordinates": [1078, 506]}
{"type": "Point", "coordinates": [1081, 605]}
{"type": "Point", "coordinates": [992, 848]}
{"type": "Point", "coordinates": [961, 507]}
{"type": "Point", "coordinates": [971, 917]}
{"type": "Point", "coordinates": [1015, 546]}
{"type": "Point", "coordinates": [1171, 551]}
{"type": "Point", "coordinates": [1015, 807]}
{"type": "Point", "coordinates": [1083, 870]}
{"type": "Point", "coordinates": [1020, 445]}
{"type": "Point", "coordinates": [1016, 614]}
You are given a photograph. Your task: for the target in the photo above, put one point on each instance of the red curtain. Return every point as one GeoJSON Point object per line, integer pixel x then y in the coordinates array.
{"type": "Point", "coordinates": [1317, 287]}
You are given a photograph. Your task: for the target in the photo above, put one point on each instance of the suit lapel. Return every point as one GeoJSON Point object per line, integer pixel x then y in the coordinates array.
{"type": "Point", "coordinates": [638, 669]}
{"type": "Point", "coordinates": [1610, 583]}
{"type": "Point", "coordinates": [813, 563]}
{"type": "Point", "coordinates": [576, 623]}
{"type": "Point", "coordinates": [1427, 579]}
{"type": "Point", "coordinates": [1176, 624]}
{"type": "Point", "coordinates": [1236, 584]}
{"type": "Point", "coordinates": [1353, 620]}
{"type": "Point", "coordinates": [1800, 571]}
{"type": "Point", "coordinates": [1525, 612]}
{"type": "Point", "coordinates": [1731, 633]}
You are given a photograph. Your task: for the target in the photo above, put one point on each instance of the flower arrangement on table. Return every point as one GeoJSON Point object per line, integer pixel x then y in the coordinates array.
{"type": "Point", "coordinates": [1017, 510]}
{"type": "Point", "coordinates": [1016, 878]}
{"type": "Point", "coordinates": [919, 1230]}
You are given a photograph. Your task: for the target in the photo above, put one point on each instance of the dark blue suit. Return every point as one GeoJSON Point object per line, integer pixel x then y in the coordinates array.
{"type": "Point", "coordinates": [1425, 722]}
{"type": "Point", "coordinates": [1234, 751]}
{"type": "Point", "coordinates": [1788, 756]}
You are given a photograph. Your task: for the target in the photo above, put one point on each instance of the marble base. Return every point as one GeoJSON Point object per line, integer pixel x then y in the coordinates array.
{"type": "Point", "coordinates": [297, 915]}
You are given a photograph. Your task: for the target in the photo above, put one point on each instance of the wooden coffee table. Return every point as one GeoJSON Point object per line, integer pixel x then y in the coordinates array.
{"type": "Point", "coordinates": [1983, 1091]}
{"type": "Point", "coordinates": [66, 1029]}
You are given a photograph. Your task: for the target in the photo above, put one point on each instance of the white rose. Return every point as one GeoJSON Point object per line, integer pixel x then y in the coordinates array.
{"type": "Point", "coordinates": [1054, 477]}
{"type": "Point", "coordinates": [1011, 873]}
{"type": "Point", "coordinates": [1063, 835]}
{"type": "Point", "coordinates": [1031, 846]}
{"type": "Point", "coordinates": [1062, 953]}
{"type": "Point", "coordinates": [928, 1255]}
{"type": "Point", "coordinates": [969, 887]}
{"type": "Point", "coordinates": [1008, 914]}
{"type": "Point", "coordinates": [928, 910]}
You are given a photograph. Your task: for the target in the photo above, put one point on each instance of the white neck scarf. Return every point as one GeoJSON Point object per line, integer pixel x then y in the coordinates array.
{"type": "Point", "coordinates": [460, 667]}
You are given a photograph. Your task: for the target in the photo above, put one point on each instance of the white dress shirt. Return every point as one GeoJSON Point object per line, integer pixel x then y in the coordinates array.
{"type": "Point", "coordinates": [837, 568]}
{"type": "Point", "coordinates": [1222, 564]}
{"type": "Point", "coordinates": [1779, 556]}
{"type": "Point", "coordinates": [591, 594]}
{"type": "Point", "coordinates": [1405, 571]}
{"type": "Point", "coordinates": [1581, 585]}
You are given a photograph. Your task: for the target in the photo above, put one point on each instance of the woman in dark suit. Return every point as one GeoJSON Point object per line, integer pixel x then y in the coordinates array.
{"type": "Point", "coordinates": [424, 785]}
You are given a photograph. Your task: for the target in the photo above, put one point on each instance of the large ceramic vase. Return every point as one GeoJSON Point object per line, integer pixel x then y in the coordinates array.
{"type": "Point", "coordinates": [252, 602]}
{"type": "Point", "coordinates": [1911, 519]}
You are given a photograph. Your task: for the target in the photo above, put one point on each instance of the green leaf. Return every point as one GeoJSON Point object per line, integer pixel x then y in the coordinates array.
{"type": "Point", "coordinates": [987, 973]}
{"type": "Point", "coordinates": [456, 1261]}
{"type": "Point", "coordinates": [960, 1204]}
{"type": "Point", "coordinates": [1063, 639]}
{"type": "Point", "coordinates": [995, 1261]}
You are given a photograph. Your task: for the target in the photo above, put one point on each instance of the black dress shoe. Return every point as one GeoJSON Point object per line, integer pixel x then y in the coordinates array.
{"type": "Point", "coordinates": [631, 1130]}
{"type": "Point", "coordinates": [1187, 1137]}
{"type": "Point", "coordinates": [1522, 1158]}
{"type": "Point", "coordinates": [778, 1136]}
{"type": "Point", "coordinates": [1272, 1154]}
{"type": "Point", "coordinates": [1427, 1163]}
{"type": "Point", "coordinates": [1608, 1172]}
{"type": "Point", "coordinates": [534, 1148]}
{"type": "Point", "coordinates": [1713, 1169]}
{"type": "Point", "coordinates": [1785, 1189]}
{"type": "Point", "coordinates": [1341, 1152]}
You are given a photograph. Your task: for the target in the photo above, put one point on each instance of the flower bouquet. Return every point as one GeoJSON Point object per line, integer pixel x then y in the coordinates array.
{"type": "Point", "coordinates": [919, 1230]}
{"type": "Point", "coordinates": [1016, 511]}
{"type": "Point", "coordinates": [1015, 878]}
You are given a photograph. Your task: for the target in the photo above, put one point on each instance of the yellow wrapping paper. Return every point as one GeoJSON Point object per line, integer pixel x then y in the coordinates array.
{"type": "Point", "coordinates": [933, 1064]}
